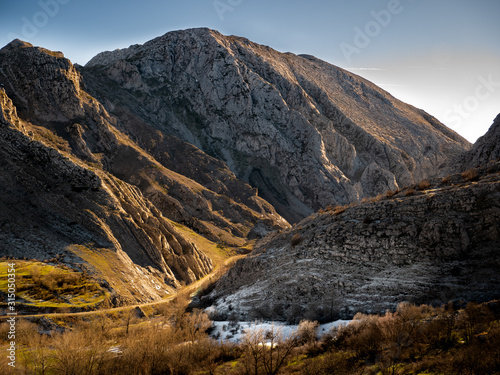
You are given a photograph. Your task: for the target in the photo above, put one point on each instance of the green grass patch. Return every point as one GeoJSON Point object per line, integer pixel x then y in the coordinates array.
{"type": "Point", "coordinates": [45, 285]}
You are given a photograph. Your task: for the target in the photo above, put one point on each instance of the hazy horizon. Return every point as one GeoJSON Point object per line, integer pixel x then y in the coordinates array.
{"type": "Point", "coordinates": [441, 56]}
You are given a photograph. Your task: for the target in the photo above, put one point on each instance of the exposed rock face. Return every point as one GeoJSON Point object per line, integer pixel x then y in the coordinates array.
{"type": "Point", "coordinates": [46, 90]}
{"type": "Point", "coordinates": [305, 133]}
{"type": "Point", "coordinates": [72, 183]}
{"type": "Point", "coordinates": [437, 245]}
{"type": "Point", "coordinates": [486, 149]}
{"type": "Point", "coordinates": [53, 204]}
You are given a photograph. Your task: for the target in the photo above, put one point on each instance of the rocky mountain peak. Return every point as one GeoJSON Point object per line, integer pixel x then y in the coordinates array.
{"type": "Point", "coordinates": [58, 88]}
{"type": "Point", "coordinates": [307, 134]}
{"type": "Point", "coordinates": [75, 184]}
{"type": "Point", "coordinates": [486, 148]}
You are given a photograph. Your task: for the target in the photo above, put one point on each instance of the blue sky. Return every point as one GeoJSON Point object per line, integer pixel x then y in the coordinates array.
{"type": "Point", "coordinates": [439, 55]}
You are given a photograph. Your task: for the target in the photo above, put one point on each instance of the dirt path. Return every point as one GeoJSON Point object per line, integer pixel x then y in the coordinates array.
{"type": "Point", "coordinates": [187, 290]}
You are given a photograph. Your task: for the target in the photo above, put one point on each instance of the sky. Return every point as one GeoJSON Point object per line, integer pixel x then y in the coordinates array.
{"type": "Point", "coordinates": [439, 55]}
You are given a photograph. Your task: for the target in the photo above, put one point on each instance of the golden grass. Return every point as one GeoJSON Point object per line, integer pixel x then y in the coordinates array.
{"type": "Point", "coordinates": [44, 285]}
{"type": "Point", "coordinates": [214, 251]}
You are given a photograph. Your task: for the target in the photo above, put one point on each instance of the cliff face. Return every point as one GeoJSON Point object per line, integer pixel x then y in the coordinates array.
{"type": "Point", "coordinates": [427, 246]}
{"type": "Point", "coordinates": [74, 185]}
{"type": "Point", "coordinates": [305, 133]}
{"type": "Point", "coordinates": [486, 149]}
{"type": "Point", "coordinates": [102, 164]}
{"type": "Point", "coordinates": [52, 204]}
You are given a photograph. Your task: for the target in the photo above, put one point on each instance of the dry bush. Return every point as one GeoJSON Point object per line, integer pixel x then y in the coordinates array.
{"type": "Point", "coordinates": [446, 180]}
{"type": "Point", "coordinates": [25, 330]}
{"type": "Point", "coordinates": [144, 351]}
{"type": "Point", "coordinates": [191, 326]}
{"type": "Point", "coordinates": [339, 209]}
{"type": "Point", "coordinates": [390, 193]}
{"type": "Point", "coordinates": [424, 184]}
{"type": "Point", "coordinates": [362, 336]}
{"type": "Point", "coordinates": [470, 175]}
{"type": "Point", "coordinates": [296, 239]}
{"type": "Point", "coordinates": [410, 192]}
{"type": "Point", "coordinates": [266, 352]}
{"type": "Point", "coordinates": [306, 332]}
{"type": "Point", "coordinates": [473, 320]}
{"type": "Point", "coordinates": [36, 356]}
{"type": "Point", "coordinates": [83, 351]}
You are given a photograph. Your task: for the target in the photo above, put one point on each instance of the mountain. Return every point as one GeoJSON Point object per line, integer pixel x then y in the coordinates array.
{"type": "Point", "coordinates": [486, 149]}
{"type": "Point", "coordinates": [303, 132]}
{"type": "Point", "coordinates": [75, 186]}
{"type": "Point", "coordinates": [145, 165]}
{"type": "Point", "coordinates": [427, 244]}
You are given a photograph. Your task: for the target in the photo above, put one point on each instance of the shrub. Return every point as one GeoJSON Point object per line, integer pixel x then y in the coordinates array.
{"type": "Point", "coordinates": [339, 209]}
{"type": "Point", "coordinates": [446, 180]}
{"type": "Point", "coordinates": [296, 239]}
{"type": "Point", "coordinates": [390, 193]}
{"type": "Point", "coordinates": [410, 192]}
{"type": "Point", "coordinates": [423, 185]}
{"type": "Point", "coordinates": [307, 332]}
{"type": "Point", "coordinates": [470, 175]}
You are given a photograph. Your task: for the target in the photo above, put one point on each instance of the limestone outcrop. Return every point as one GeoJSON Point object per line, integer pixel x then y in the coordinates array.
{"type": "Point", "coordinates": [307, 134]}
{"type": "Point", "coordinates": [423, 245]}
{"type": "Point", "coordinates": [75, 186]}
{"type": "Point", "coordinates": [485, 150]}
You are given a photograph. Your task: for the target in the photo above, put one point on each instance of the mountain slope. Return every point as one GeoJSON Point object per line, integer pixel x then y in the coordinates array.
{"type": "Point", "coordinates": [52, 204]}
{"type": "Point", "coordinates": [431, 245]}
{"type": "Point", "coordinates": [305, 133]}
{"type": "Point", "coordinates": [486, 149]}
{"type": "Point", "coordinates": [46, 89]}
{"type": "Point", "coordinates": [74, 185]}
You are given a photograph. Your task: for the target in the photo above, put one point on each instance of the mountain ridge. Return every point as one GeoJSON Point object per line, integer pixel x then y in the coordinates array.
{"type": "Point", "coordinates": [423, 245]}
{"type": "Point", "coordinates": [210, 89]}
{"type": "Point", "coordinates": [115, 198]}
{"type": "Point", "coordinates": [192, 130]}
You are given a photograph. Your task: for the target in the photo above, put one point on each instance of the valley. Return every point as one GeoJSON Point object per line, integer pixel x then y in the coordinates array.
{"type": "Point", "coordinates": [198, 181]}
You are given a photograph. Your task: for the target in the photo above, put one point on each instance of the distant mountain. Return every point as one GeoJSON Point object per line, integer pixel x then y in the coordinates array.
{"type": "Point", "coordinates": [305, 133]}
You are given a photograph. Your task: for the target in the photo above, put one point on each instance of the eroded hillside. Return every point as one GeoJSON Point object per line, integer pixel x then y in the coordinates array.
{"type": "Point", "coordinates": [430, 243]}
{"type": "Point", "coordinates": [74, 185]}
{"type": "Point", "coordinates": [305, 133]}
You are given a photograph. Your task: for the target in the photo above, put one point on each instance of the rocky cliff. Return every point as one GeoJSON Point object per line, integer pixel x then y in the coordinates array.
{"type": "Point", "coordinates": [485, 150]}
{"type": "Point", "coordinates": [430, 243]}
{"type": "Point", "coordinates": [55, 206]}
{"type": "Point", "coordinates": [76, 186]}
{"type": "Point", "coordinates": [106, 165]}
{"type": "Point", "coordinates": [305, 133]}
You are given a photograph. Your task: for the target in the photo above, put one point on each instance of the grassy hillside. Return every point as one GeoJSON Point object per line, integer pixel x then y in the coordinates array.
{"type": "Point", "coordinates": [44, 285]}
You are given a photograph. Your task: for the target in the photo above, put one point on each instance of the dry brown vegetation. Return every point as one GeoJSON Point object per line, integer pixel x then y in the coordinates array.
{"type": "Point", "coordinates": [470, 175]}
{"type": "Point", "coordinates": [424, 184]}
{"type": "Point", "coordinates": [446, 179]}
{"type": "Point", "coordinates": [296, 239]}
{"type": "Point", "coordinates": [411, 340]}
{"type": "Point", "coordinates": [409, 192]}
